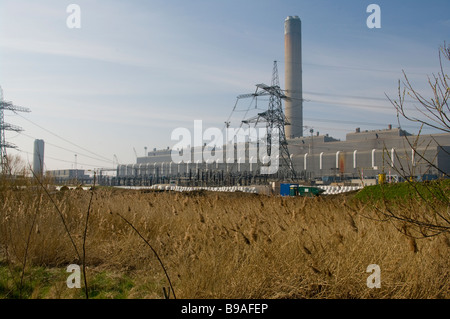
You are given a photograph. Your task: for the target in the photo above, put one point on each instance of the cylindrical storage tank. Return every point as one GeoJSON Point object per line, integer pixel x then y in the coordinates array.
{"type": "Point", "coordinates": [293, 76]}
{"type": "Point", "coordinates": [135, 169]}
{"type": "Point", "coordinates": [129, 170]}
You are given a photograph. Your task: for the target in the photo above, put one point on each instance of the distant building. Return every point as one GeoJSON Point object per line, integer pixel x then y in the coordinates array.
{"type": "Point", "coordinates": [38, 157]}
{"type": "Point", "coordinates": [364, 154]}
{"type": "Point", "coordinates": [68, 175]}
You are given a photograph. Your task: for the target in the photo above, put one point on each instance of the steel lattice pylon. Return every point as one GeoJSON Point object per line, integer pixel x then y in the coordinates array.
{"type": "Point", "coordinates": [274, 118]}
{"type": "Point", "coordinates": [8, 106]}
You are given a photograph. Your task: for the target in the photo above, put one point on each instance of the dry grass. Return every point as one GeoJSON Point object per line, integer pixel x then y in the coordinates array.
{"type": "Point", "coordinates": [227, 245]}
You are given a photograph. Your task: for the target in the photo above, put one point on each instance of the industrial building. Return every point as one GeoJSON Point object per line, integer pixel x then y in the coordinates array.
{"type": "Point", "coordinates": [361, 157]}
{"type": "Point", "coordinates": [319, 158]}
{"type": "Point", "coordinates": [366, 154]}
{"type": "Point", "coordinates": [64, 176]}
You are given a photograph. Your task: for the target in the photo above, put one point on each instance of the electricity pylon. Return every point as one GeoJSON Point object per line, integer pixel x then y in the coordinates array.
{"type": "Point", "coordinates": [274, 118]}
{"type": "Point", "coordinates": [7, 106]}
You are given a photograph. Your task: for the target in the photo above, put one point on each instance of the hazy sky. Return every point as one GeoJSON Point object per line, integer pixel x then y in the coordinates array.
{"type": "Point", "coordinates": [136, 70]}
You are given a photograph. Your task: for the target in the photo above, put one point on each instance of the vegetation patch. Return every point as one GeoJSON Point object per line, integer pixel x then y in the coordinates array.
{"type": "Point", "coordinates": [439, 189]}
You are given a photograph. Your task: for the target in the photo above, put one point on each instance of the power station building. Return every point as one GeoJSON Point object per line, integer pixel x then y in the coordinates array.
{"type": "Point", "coordinates": [363, 155]}
{"type": "Point", "coordinates": [321, 158]}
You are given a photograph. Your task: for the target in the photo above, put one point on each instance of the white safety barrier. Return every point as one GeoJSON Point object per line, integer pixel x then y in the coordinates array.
{"type": "Point", "coordinates": [244, 189]}
{"type": "Point", "coordinates": [331, 190]}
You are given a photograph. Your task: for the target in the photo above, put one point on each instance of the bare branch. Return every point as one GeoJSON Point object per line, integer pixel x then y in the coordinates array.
{"type": "Point", "coordinates": [434, 114]}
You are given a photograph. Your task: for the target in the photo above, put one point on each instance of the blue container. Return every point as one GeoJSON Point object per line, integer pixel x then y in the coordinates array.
{"type": "Point", "coordinates": [285, 189]}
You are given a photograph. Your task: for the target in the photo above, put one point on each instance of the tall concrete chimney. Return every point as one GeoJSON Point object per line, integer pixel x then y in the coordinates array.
{"type": "Point", "coordinates": [38, 157]}
{"type": "Point", "coordinates": [293, 76]}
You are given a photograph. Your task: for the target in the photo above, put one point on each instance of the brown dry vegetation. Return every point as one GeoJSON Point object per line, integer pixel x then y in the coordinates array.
{"type": "Point", "coordinates": [218, 245]}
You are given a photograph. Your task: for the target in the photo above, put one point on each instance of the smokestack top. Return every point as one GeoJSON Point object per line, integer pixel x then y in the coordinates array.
{"type": "Point", "coordinates": [292, 24]}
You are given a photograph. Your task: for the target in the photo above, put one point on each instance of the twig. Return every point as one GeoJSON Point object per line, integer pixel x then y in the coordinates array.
{"type": "Point", "coordinates": [154, 251]}
{"type": "Point", "coordinates": [27, 246]}
{"type": "Point", "coordinates": [60, 214]}
{"type": "Point", "coordinates": [84, 242]}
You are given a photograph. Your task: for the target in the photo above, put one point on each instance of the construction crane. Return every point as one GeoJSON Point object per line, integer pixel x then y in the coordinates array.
{"type": "Point", "coordinates": [7, 106]}
{"type": "Point", "coordinates": [274, 117]}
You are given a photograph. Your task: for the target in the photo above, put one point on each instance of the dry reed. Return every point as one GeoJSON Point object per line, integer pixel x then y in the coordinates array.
{"type": "Point", "coordinates": [227, 245]}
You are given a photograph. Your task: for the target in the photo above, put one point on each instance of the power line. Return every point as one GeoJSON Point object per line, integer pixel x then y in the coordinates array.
{"type": "Point", "coordinates": [65, 140]}
{"type": "Point", "coordinates": [68, 150]}
{"type": "Point", "coordinates": [355, 68]}
{"type": "Point", "coordinates": [353, 104]}
{"type": "Point", "coordinates": [385, 99]}
{"type": "Point", "coordinates": [57, 159]}
{"type": "Point", "coordinates": [324, 120]}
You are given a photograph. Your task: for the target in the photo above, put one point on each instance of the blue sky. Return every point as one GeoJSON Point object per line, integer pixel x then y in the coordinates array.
{"type": "Point", "coordinates": [136, 70]}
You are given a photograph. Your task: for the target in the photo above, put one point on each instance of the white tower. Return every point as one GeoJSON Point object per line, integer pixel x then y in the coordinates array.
{"type": "Point", "coordinates": [38, 157]}
{"type": "Point", "coordinates": [293, 76]}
